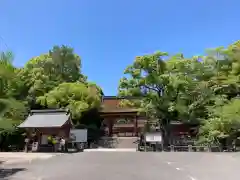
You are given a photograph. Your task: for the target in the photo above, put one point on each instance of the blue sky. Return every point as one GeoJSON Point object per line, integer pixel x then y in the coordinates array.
{"type": "Point", "coordinates": [108, 34]}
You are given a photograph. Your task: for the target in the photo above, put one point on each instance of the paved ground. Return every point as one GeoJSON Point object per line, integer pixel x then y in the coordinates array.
{"type": "Point", "coordinates": [19, 157]}
{"type": "Point", "coordinates": [129, 166]}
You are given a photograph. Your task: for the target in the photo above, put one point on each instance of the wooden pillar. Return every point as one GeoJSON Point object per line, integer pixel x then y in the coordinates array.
{"type": "Point", "coordinates": [136, 125]}
{"type": "Point", "coordinates": [110, 126]}
{"type": "Point", "coordinates": [27, 139]}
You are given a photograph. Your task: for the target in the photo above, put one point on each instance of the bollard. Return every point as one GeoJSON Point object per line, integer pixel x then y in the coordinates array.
{"type": "Point", "coordinates": [172, 148]}
{"type": "Point", "coordinates": [190, 149]}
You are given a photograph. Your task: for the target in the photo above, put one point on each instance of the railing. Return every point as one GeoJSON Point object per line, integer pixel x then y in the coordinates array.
{"type": "Point", "coordinates": [187, 148]}
{"type": "Point", "coordinates": [192, 148]}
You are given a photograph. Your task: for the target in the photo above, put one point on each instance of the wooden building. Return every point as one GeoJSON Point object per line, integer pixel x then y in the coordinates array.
{"type": "Point", "coordinates": [44, 123]}
{"type": "Point", "coordinates": [118, 121]}
{"type": "Point", "coordinates": [126, 122]}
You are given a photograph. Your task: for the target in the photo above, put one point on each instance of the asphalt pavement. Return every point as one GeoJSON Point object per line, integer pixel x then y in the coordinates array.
{"type": "Point", "coordinates": [129, 166]}
{"type": "Point", "coordinates": [19, 157]}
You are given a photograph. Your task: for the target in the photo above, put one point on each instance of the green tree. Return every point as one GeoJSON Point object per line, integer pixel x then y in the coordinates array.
{"type": "Point", "coordinates": [12, 111]}
{"type": "Point", "coordinates": [224, 123]}
{"type": "Point", "coordinates": [172, 89]}
{"type": "Point", "coordinates": [6, 71]}
{"type": "Point", "coordinates": [185, 89]}
{"type": "Point", "coordinates": [53, 79]}
{"type": "Point", "coordinates": [77, 97]}
{"type": "Point", "coordinates": [45, 72]}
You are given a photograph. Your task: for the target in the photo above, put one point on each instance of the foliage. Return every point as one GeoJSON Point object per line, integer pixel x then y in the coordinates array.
{"type": "Point", "coordinates": [41, 74]}
{"type": "Point", "coordinates": [55, 80]}
{"type": "Point", "coordinates": [199, 89]}
{"type": "Point", "coordinates": [223, 123]}
{"type": "Point", "coordinates": [170, 89]}
{"type": "Point", "coordinates": [187, 89]}
{"type": "Point", "coordinates": [77, 97]}
{"type": "Point", "coordinates": [7, 104]}
{"type": "Point", "coordinates": [52, 79]}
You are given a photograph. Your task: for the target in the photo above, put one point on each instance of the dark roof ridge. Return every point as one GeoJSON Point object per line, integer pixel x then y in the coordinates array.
{"type": "Point", "coordinates": [120, 97]}
{"type": "Point", "coordinates": [49, 111]}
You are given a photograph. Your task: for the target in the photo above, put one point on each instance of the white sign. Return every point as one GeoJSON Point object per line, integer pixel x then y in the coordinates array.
{"type": "Point", "coordinates": [35, 146]}
{"type": "Point", "coordinates": [153, 137]}
{"type": "Point", "coordinates": [78, 135]}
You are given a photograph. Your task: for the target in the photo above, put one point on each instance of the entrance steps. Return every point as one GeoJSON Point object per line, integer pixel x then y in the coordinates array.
{"type": "Point", "coordinates": [118, 142]}
{"type": "Point", "coordinates": [127, 142]}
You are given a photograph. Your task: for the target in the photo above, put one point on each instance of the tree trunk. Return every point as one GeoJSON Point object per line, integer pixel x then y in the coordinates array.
{"type": "Point", "coordinates": [165, 133]}
{"type": "Point", "coordinates": [3, 142]}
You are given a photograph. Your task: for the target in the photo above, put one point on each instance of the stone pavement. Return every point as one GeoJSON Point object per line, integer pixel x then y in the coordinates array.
{"type": "Point", "coordinates": [130, 166]}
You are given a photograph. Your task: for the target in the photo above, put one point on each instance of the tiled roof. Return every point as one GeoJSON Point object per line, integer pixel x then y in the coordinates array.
{"type": "Point", "coordinates": [118, 110]}
{"type": "Point", "coordinates": [45, 118]}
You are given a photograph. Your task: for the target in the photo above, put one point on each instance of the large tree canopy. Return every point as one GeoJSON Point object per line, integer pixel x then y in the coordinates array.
{"type": "Point", "coordinates": [185, 89]}
{"type": "Point", "coordinates": [47, 71]}
{"type": "Point", "coordinates": [11, 110]}
{"type": "Point", "coordinates": [77, 97]}
{"type": "Point", "coordinates": [50, 80]}
{"type": "Point", "coordinates": [200, 89]}
{"type": "Point", "coordinates": [170, 89]}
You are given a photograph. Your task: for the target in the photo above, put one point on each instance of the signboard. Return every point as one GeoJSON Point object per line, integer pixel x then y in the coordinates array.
{"type": "Point", "coordinates": [153, 137]}
{"type": "Point", "coordinates": [35, 146]}
{"type": "Point", "coordinates": [78, 135]}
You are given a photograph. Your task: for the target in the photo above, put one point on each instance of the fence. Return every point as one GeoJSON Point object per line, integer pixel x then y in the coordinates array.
{"type": "Point", "coordinates": [191, 148]}
{"type": "Point", "coordinates": [188, 148]}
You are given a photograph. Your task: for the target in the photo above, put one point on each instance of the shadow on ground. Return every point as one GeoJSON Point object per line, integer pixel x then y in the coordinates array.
{"type": "Point", "coordinates": [5, 173]}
